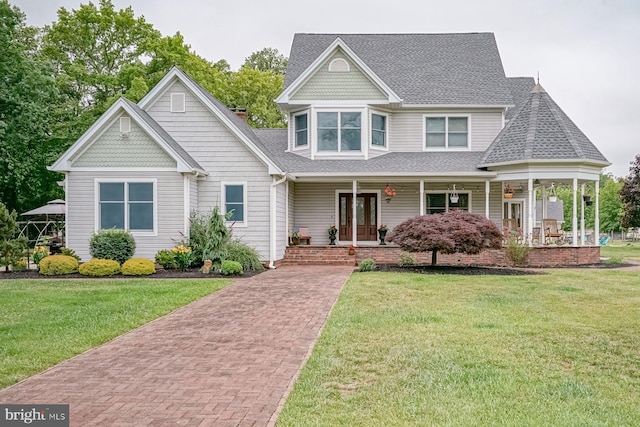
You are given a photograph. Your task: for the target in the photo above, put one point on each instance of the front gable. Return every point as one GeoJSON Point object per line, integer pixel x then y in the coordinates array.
{"type": "Point", "coordinates": [116, 149]}
{"type": "Point", "coordinates": [339, 78]}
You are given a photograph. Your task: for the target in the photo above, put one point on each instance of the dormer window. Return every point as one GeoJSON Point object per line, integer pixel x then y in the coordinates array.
{"type": "Point", "coordinates": [339, 131]}
{"type": "Point", "coordinates": [339, 65]}
{"type": "Point", "coordinates": [301, 123]}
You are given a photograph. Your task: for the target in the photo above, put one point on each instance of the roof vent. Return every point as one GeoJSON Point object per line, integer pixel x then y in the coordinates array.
{"type": "Point", "coordinates": [125, 125]}
{"type": "Point", "coordinates": [177, 103]}
{"type": "Point", "coordinates": [339, 65]}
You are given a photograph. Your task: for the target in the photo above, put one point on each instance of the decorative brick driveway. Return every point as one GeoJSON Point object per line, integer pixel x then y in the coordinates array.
{"type": "Point", "coordinates": [226, 360]}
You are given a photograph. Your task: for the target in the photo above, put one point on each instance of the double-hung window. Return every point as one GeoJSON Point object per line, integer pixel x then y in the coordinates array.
{"type": "Point", "coordinates": [441, 202]}
{"type": "Point", "coordinates": [378, 130]}
{"type": "Point", "coordinates": [301, 123]}
{"type": "Point", "coordinates": [235, 202]}
{"type": "Point", "coordinates": [446, 132]}
{"type": "Point", "coordinates": [339, 131]}
{"type": "Point", "coordinates": [126, 205]}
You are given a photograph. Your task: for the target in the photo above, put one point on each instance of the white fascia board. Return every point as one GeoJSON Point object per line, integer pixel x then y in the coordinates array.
{"type": "Point", "coordinates": [63, 163]}
{"type": "Point", "coordinates": [570, 162]}
{"type": "Point", "coordinates": [285, 96]}
{"type": "Point", "coordinates": [456, 106]}
{"type": "Point", "coordinates": [390, 175]}
{"type": "Point", "coordinates": [159, 88]}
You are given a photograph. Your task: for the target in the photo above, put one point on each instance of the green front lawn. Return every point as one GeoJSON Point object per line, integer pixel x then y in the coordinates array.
{"type": "Point", "coordinates": [407, 349]}
{"type": "Point", "coordinates": [621, 251]}
{"type": "Point", "coordinates": [43, 322]}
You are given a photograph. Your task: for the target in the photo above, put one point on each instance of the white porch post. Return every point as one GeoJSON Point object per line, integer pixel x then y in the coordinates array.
{"type": "Point", "coordinates": [530, 219]}
{"type": "Point", "coordinates": [582, 233]}
{"type": "Point", "coordinates": [286, 212]}
{"type": "Point", "coordinates": [596, 223]}
{"type": "Point", "coordinates": [487, 188]}
{"type": "Point", "coordinates": [354, 213]}
{"type": "Point", "coordinates": [543, 214]}
{"type": "Point", "coordinates": [575, 212]}
{"type": "Point", "coordinates": [421, 197]}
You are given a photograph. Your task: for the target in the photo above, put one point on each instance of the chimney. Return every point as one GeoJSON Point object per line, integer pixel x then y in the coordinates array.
{"type": "Point", "coordinates": [240, 112]}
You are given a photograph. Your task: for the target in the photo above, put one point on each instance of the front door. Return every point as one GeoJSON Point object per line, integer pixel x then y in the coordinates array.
{"type": "Point", "coordinates": [366, 216]}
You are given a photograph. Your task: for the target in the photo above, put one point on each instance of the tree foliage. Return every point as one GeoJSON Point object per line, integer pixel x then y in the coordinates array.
{"type": "Point", "coordinates": [11, 248]}
{"type": "Point", "coordinates": [630, 195]}
{"type": "Point", "coordinates": [267, 59]}
{"type": "Point", "coordinates": [455, 231]}
{"type": "Point", "coordinates": [26, 95]}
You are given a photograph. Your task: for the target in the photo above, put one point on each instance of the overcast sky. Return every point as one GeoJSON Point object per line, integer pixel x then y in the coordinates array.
{"type": "Point", "coordinates": [586, 51]}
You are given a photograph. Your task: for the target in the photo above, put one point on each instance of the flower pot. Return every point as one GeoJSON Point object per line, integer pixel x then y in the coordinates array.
{"type": "Point", "coordinates": [352, 251]}
{"type": "Point", "coordinates": [382, 234]}
{"type": "Point", "coordinates": [332, 240]}
{"type": "Point", "coordinates": [553, 199]}
{"type": "Point", "coordinates": [508, 195]}
{"type": "Point", "coordinates": [454, 199]}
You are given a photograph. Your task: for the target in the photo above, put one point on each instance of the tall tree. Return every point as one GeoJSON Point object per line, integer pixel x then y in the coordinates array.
{"type": "Point", "coordinates": [256, 90]}
{"type": "Point", "coordinates": [267, 59]}
{"type": "Point", "coordinates": [26, 94]}
{"type": "Point", "coordinates": [630, 195]}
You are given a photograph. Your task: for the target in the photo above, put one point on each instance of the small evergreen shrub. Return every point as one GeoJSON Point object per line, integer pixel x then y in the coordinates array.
{"type": "Point", "coordinates": [69, 252]}
{"type": "Point", "coordinates": [231, 268]}
{"type": "Point", "coordinates": [138, 267]}
{"type": "Point", "coordinates": [517, 252]}
{"type": "Point", "coordinates": [55, 265]}
{"type": "Point", "coordinates": [100, 268]}
{"type": "Point", "coordinates": [367, 265]}
{"type": "Point", "coordinates": [20, 265]}
{"type": "Point", "coordinates": [115, 244]}
{"type": "Point", "coordinates": [166, 259]}
{"type": "Point", "coordinates": [245, 255]}
{"type": "Point", "coordinates": [407, 258]}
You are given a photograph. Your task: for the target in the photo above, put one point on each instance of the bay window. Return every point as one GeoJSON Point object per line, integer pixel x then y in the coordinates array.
{"type": "Point", "coordinates": [301, 126]}
{"type": "Point", "coordinates": [378, 130]}
{"type": "Point", "coordinates": [339, 131]}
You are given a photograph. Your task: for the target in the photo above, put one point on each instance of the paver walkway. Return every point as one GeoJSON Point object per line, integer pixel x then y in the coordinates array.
{"type": "Point", "coordinates": [227, 359]}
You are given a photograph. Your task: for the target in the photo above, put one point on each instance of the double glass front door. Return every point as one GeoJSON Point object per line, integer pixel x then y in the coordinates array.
{"type": "Point", "coordinates": [366, 216]}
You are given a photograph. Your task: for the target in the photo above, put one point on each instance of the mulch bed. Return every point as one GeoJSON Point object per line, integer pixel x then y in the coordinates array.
{"type": "Point", "coordinates": [454, 269]}
{"type": "Point", "coordinates": [192, 273]}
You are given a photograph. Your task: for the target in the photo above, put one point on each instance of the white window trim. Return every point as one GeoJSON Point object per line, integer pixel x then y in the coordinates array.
{"type": "Point", "coordinates": [447, 193]}
{"type": "Point", "coordinates": [126, 181]}
{"type": "Point", "coordinates": [446, 133]}
{"type": "Point", "coordinates": [339, 152]}
{"type": "Point", "coordinates": [386, 131]}
{"type": "Point", "coordinates": [337, 61]}
{"type": "Point", "coordinates": [245, 205]}
{"type": "Point", "coordinates": [295, 147]}
{"type": "Point", "coordinates": [174, 102]}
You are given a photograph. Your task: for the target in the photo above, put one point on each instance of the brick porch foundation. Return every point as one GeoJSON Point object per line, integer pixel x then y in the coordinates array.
{"type": "Point", "coordinates": [542, 256]}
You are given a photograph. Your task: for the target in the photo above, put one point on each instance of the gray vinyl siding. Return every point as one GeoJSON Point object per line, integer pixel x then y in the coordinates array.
{"type": "Point", "coordinates": [315, 209]}
{"type": "Point", "coordinates": [193, 195]}
{"type": "Point", "coordinates": [133, 149]}
{"type": "Point", "coordinates": [226, 159]}
{"type": "Point", "coordinates": [81, 203]}
{"type": "Point", "coordinates": [408, 127]}
{"type": "Point", "coordinates": [326, 85]}
{"type": "Point", "coordinates": [281, 221]}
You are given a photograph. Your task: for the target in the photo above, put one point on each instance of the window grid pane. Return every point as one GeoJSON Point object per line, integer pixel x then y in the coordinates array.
{"type": "Point", "coordinates": [141, 216]}
{"type": "Point", "coordinates": [234, 202]}
{"type": "Point", "coordinates": [378, 130]}
{"type": "Point", "coordinates": [301, 130]}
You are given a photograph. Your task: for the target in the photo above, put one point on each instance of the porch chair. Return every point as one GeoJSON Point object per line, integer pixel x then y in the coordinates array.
{"type": "Point", "coordinates": [551, 231]}
{"type": "Point", "coordinates": [511, 229]}
{"type": "Point", "coordinates": [604, 240]}
{"type": "Point", "coordinates": [300, 234]}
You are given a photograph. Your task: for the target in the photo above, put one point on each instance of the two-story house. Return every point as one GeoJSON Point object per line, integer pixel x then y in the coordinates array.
{"type": "Point", "coordinates": [382, 127]}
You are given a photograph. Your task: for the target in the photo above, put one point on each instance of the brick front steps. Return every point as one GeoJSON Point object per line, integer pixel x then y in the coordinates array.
{"type": "Point", "coordinates": [540, 256]}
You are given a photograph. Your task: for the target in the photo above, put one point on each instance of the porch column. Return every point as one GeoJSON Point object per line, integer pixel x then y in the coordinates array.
{"type": "Point", "coordinates": [596, 223]}
{"type": "Point", "coordinates": [530, 219]}
{"type": "Point", "coordinates": [421, 197]}
{"type": "Point", "coordinates": [487, 188]}
{"type": "Point", "coordinates": [354, 213]}
{"type": "Point", "coordinates": [286, 212]}
{"type": "Point", "coordinates": [575, 211]}
{"type": "Point", "coordinates": [582, 233]}
{"type": "Point", "coordinates": [543, 214]}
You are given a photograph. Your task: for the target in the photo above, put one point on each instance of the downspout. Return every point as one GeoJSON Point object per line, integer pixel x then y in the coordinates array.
{"type": "Point", "coordinates": [272, 219]}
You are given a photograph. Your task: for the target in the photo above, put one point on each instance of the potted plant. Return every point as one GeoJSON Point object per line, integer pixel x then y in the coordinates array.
{"type": "Point", "coordinates": [333, 231]}
{"type": "Point", "coordinates": [352, 250]}
{"type": "Point", "coordinates": [382, 233]}
{"type": "Point", "coordinates": [295, 237]}
{"type": "Point", "coordinates": [508, 191]}
{"type": "Point", "coordinates": [389, 193]}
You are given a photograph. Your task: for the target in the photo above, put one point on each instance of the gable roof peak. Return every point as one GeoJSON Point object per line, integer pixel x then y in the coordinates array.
{"type": "Point", "coordinates": [538, 89]}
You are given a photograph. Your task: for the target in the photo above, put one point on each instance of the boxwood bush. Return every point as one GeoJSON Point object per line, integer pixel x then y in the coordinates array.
{"type": "Point", "coordinates": [55, 265]}
{"type": "Point", "coordinates": [100, 268]}
{"type": "Point", "coordinates": [166, 259]}
{"type": "Point", "coordinates": [138, 267]}
{"type": "Point", "coordinates": [116, 244]}
{"type": "Point", "coordinates": [367, 265]}
{"type": "Point", "coordinates": [231, 268]}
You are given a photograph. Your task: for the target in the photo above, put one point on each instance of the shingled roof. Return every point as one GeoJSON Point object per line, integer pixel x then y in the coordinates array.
{"type": "Point", "coordinates": [520, 88]}
{"type": "Point", "coordinates": [401, 163]}
{"type": "Point", "coordinates": [433, 69]}
{"type": "Point", "coordinates": [539, 130]}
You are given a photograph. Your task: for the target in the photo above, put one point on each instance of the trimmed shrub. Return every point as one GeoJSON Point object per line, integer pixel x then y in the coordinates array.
{"type": "Point", "coordinates": [20, 265]}
{"type": "Point", "coordinates": [115, 244]}
{"type": "Point", "coordinates": [245, 255]}
{"type": "Point", "coordinates": [100, 268]}
{"type": "Point", "coordinates": [407, 258]}
{"type": "Point", "coordinates": [55, 265]}
{"type": "Point", "coordinates": [517, 252]}
{"type": "Point", "coordinates": [230, 268]}
{"type": "Point", "coordinates": [69, 252]}
{"type": "Point", "coordinates": [166, 259]}
{"type": "Point", "coordinates": [138, 267]}
{"type": "Point", "coordinates": [367, 265]}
